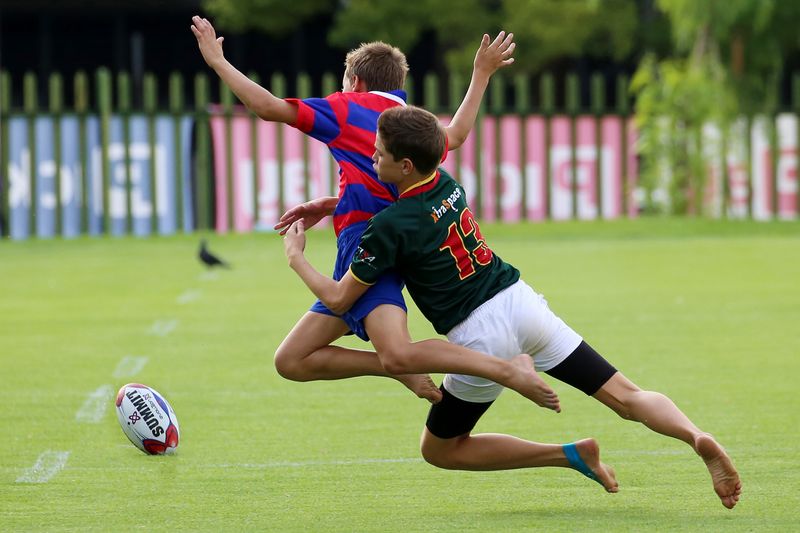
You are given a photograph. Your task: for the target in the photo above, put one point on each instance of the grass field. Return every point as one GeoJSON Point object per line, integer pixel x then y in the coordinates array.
{"type": "Point", "coordinates": [705, 312]}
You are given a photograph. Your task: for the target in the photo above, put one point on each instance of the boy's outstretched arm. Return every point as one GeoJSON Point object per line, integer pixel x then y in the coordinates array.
{"type": "Point", "coordinates": [257, 99]}
{"type": "Point", "coordinates": [488, 58]}
{"type": "Point", "coordinates": [338, 296]}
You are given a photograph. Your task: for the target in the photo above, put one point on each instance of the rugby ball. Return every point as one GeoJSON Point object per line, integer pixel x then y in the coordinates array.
{"type": "Point", "coordinates": [147, 419]}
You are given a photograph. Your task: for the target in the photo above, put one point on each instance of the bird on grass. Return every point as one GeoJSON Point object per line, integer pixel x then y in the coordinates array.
{"type": "Point", "coordinates": [209, 259]}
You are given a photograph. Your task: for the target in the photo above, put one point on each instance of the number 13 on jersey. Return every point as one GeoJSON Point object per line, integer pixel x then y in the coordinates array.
{"type": "Point", "coordinates": [466, 245]}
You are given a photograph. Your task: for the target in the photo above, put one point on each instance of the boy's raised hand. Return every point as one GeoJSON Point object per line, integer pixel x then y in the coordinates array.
{"type": "Point", "coordinates": [210, 45]}
{"type": "Point", "coordinates": [294, 243]}
{"type": "Point", "coordinates": [495, 54]}
{"type": "Point", "coordinates": [309, 212]}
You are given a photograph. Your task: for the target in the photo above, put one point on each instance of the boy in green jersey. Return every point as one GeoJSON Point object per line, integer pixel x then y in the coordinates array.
{"type": "Point", "coordinates": [468, 293]}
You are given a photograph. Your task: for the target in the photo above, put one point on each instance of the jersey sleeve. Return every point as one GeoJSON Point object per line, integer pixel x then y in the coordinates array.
{"type": "Point", "coordinates": [376, 252]}
{"type": "Point", "coordinates": [320, 118]}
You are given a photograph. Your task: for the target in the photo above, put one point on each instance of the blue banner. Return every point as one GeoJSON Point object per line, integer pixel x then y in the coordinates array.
{"type": "Point", "coordinates": [167, 156]}
{"type": "Point", "coordinates": [71, 171]}
{"type": "Point", "coordinates": [166, 199]}
{"type": "Point", "coordinates": [94, 173]}
{"type": "Point", "coordinates": [186, 154]}
{"type": "Point", "coordinates": [19, 178]}
{"type": "Point", "coordinates": [130, 172]}
{"type": "Point", "coordinates": [45, 178]}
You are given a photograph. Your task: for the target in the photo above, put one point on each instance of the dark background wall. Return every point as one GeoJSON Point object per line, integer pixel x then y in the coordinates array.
{"type": "Point", "coordinates": [138, 36]}
{"type": "Point", "coordinates": [150, 36]}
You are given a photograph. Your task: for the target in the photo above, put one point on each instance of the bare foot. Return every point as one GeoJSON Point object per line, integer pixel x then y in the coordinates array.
{"type": "Point", "coordinates": [726, 480]}
{"type": "Point", "coordinates": [528, 383]}
{"type": "Point", "coordinates": [589, 451]}
{"type": "Point", "coordinates": [422, 385]}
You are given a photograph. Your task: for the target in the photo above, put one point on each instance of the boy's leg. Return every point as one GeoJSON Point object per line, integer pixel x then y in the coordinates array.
{"type": "Point", "coordinates": [306, 354]}
{"type": "Point", "coordinates": [589, 372]}
{"type": "Point", "coordinates": [660, 414]}
{"type": "Point", "coordinates": [387, 326]}
{"type": "Point", "coordinates": [447, 443]}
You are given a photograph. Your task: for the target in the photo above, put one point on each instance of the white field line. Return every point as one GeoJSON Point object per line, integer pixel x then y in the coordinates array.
{"type": "Point", "coordinates": [189, 296]}
{"type": "Point", "coordinates": [162, 328]}
{"type": "Point", "coordinates": [94, 407]}
{"type": "Point", "coordinates": [47, 465]}
{"type": "Point", "coordinates": [129, 366]}
{"type": "Point", "coordinates": [208, 276]}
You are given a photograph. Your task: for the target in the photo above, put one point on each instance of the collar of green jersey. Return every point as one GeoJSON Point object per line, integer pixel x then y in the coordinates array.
{"type": "Point", "coordinates": [419, 184]}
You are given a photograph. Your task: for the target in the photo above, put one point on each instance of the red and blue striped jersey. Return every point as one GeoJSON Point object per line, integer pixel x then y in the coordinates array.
{"type": "Point", "coordinates": [346, 122]}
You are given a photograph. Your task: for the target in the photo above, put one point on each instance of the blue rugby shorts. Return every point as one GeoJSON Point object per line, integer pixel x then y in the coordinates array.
{"type": "Point", "coordinates": [387, 290]}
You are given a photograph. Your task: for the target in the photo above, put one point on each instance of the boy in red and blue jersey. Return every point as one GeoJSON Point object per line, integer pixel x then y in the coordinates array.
{"type": "Point", "coordinates": [346, 122]}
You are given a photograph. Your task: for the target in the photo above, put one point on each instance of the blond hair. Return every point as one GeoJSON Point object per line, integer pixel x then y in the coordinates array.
{"type": "Point", "coordinates": [381, 66]}
{"type": "Point", "coordinates": [413, 133]}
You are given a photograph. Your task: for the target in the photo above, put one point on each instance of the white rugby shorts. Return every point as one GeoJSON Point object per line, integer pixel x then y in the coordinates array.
{"type": "Point", "coordinates": [516, 320]}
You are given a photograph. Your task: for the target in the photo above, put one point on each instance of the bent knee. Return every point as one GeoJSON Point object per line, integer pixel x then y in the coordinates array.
{"type": "Point", "coordinates": [438, 458]}
{"type": "Point", "coordinates": [396, 361]}
{"type": "Point", "coordinates": [289, 366]}
{"type": "Point", "coordinates": [441, 453]}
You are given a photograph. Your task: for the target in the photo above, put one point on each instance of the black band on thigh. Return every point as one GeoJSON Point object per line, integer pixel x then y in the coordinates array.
{"type": "Point", "coordinates": [584, 369]}
{"type": "Point", "coordinates": [453, 417]}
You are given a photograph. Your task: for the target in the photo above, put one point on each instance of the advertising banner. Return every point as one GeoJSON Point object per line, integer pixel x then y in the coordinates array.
{"type": "Point", "coordinates": [786, 186]}
{"type": "Point", "coordinates": [131, 160]}
{"type": "Point", "coordinates": [510, 176]}
{"type": "Point", "coordinates": [20, 170]}
{"type": "Point", "coordinates": [292, 169]}
{"type": "Point", "coordinates": [536, 200]}
{"type": "Point", "coordinates": [772, 181]}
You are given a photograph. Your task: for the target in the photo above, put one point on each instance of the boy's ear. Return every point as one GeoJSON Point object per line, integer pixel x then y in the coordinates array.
{"type": "Point", "coordinates": [407, 167]}
{"type": "Point", "coordinates": [359, 85]}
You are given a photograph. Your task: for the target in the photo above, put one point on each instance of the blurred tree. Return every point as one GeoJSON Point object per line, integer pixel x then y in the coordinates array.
{"type": "Point", "coordinates": [405, 24]}
{"type": "Point", "coordinates": [728, 58]}
{"type": "Point", "coordinates": [551, 29]}
{"type": "Point", "coordinates": [274, 17]}
{"type": "Point", "coordinates": [544, 29]}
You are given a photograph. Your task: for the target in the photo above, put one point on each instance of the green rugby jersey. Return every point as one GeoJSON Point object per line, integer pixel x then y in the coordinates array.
{"type": "Point", "coordinates": [431, 238]}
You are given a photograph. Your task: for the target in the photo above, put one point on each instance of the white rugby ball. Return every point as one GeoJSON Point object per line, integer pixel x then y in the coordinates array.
{"type": "Point", "coordinates": [147, 419]}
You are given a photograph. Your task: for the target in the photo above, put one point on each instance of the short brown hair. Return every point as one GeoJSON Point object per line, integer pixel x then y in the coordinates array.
{"type": "Point", "coordinates": [383, 67]}
{"type": "Point", "coordinates": [413, 133]}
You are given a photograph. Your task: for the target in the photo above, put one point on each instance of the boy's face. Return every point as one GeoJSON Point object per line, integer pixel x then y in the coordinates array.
{"type": "Point", "coordinates": [388, 170]}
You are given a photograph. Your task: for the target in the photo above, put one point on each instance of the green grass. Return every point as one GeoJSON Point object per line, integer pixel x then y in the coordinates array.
{"type": "Point", "coordinates": [705, 312]}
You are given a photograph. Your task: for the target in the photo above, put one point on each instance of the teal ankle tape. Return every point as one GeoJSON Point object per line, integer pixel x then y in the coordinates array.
{"type": "Point", "coordinates": [577, 463]}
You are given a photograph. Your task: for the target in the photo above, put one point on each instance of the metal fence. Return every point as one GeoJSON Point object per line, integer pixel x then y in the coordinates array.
{"type": "Point", "coordinates": [123, 160]}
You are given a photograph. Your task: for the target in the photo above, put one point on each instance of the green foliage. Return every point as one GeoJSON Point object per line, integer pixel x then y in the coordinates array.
{"type": "Point", "coordinates": [551, 29]}
{"type": "Point", "coordinates": [275, 17]}
{"type": "Point", "coordinates": [454, 32]}
{"type": "Point", "coordinates": [398, 23]}
{"type": "Point", "coordinates": [676, 98]}
{"type": "Point", "coordinates": [728, 56]}
{"type": "Point", "coordinates": [545, 30]}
